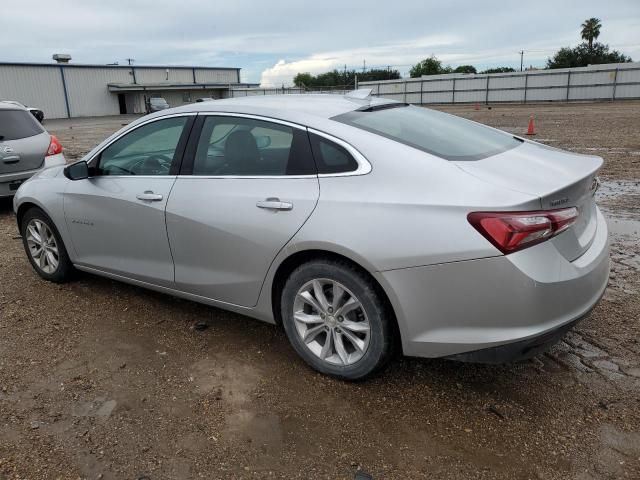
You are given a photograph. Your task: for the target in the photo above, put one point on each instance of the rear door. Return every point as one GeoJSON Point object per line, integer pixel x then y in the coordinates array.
{"type": "Point", "coordinates": [247, 188]}
{"type": "Point", "coordinates": [23, 141]}
{"type": "Point", "coordinates": [116, 216]}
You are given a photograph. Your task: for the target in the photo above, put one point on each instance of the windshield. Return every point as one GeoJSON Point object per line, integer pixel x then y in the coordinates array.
{"type": "Point", "coordinates": [443, 135]}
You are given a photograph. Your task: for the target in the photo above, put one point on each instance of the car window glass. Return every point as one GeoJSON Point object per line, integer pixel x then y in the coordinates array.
{"type": "Point", "coordinates": [16, 124]}
{"type": "Point", "coordinates": [438, 133]}
{"type": "Point", "coordinates": [331, 157]}
{"type": "Point", "coordinates": [147, 150]}
{"type": "Point", "coordinates": [234, 146]}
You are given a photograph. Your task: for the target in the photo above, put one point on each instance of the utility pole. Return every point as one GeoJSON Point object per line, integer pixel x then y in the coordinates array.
{"type": "Point", "coordinates": [364, 66]}
{"type": "Point", "coordinates": [521, 52]}
{"type": "Point", "coordinates": [130, 60]}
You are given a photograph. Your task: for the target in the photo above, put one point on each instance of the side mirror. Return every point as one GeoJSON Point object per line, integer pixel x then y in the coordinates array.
{"type": "Point", "coordinates": [77, 171]}
{"type": "Point", "coordinates": [263, 141]}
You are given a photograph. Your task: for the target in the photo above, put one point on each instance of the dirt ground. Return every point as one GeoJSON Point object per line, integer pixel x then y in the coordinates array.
{"type": "Point", "coordinates": [103, 380]}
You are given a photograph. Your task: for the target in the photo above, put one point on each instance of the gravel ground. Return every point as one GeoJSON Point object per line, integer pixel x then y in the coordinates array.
{"type": "Point", "coordinates": [103, 380]}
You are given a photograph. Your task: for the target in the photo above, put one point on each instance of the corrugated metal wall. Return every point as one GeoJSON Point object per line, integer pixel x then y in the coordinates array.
{"type": "Point", "coordinates": [596, 82]}
{"type": "Point", "coordinates": [87, 89]}
{"type": "Point", "coordinates": [39, 87]}
{"type": "Point", "coordinates": [217, 76]}
{"type": "Point", "coordinates": [88, 93]}
{"type": "Point", "coordinates": [162, 75]}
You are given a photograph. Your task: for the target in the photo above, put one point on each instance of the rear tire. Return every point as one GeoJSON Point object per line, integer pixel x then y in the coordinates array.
{"type": "Point", "coordinates": [44, 247]}
{"type": "Point", "coordinates": [336, 320]}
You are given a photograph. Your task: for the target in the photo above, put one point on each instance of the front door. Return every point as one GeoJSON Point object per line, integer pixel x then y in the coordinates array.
{"type": "Point", "coordinates": [249, 187]}
{"type": "Point", "coordinates": [117, 216]}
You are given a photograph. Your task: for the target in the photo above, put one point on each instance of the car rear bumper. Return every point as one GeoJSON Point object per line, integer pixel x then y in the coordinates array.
{"type": "Point", "coordinates": [517, 351]}
{"type": "Point", "coordinates": [523, 300]}
{"type": "Point", "coordinates": [9, 182]}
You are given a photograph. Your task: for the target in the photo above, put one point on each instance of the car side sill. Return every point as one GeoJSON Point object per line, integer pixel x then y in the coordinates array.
{"type": "Point", "coordinates": [248, 311]}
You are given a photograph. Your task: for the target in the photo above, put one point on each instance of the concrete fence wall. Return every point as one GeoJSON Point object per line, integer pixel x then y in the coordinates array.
{"type": "Point", "coordinates": [616, 81]}
{"type": "Point", "coordinates": [597, 82]}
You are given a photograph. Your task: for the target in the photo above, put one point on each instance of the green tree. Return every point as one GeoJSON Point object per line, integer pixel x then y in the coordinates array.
{"type": "Point", "coordinates": [378, 74]}
{"type": "Point", "coordinates": [465, 69]}
{"type": "Point", "coordinates": [498, 70]}
{"type": "Point", "coordinates": [302, 79]}
{"type": "Point", "coordinates": [342, 78]}
{"type": "Point", "coordinates": [584, 55]}
{"type": "Point", "coordinates": [429, 66]}
{"type": "Point", "coordinates": [590, 30]}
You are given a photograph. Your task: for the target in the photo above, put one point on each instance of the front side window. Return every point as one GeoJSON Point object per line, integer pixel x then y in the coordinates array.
{"type": "Point", "coordinates": [147, 150]}
{"type": "Point", "coordinates": [235, 146]}
{"type": "Point", "coordinates": [443, 135]}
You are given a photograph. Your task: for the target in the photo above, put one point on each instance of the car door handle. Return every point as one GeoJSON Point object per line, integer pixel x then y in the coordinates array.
{"type": "Point", "coordinates": [11, 159]}
{"type": "Point", "coordinates": [274, 204]}
{"type": "Point", "coordinates": [149, 196]}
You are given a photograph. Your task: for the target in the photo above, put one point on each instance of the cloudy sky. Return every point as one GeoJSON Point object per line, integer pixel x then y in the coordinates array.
{"type": "Point", "coordinates": [273, 40]}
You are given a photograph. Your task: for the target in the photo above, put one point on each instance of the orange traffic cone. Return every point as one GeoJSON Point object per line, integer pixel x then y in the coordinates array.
{"type": "Point", "coordinates": [476, 106]}
{"type": "Point", "coordinates": [531, 130]}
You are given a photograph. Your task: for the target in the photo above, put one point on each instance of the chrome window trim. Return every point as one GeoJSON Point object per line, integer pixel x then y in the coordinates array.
{"type": "Point", "coordinates": [247, 177]}
{"type": "Point", "coordinates": [129, 130]}
{"type": "Point", "coordinates": [364, 167]}
{"type": "Point", "coordinates": [253, 117]}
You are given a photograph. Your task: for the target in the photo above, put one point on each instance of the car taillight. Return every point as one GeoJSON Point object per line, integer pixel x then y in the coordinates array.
{"type": "Point", "coordinates": [513, 231]}
{"type": "Point", "coordinates": [54, 146]}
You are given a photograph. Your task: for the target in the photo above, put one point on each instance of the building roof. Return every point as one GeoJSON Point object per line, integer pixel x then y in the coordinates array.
{"type": "Point", "coordinates": [139, 87]}
{"type": "Point", "coordinates": [97, 65]}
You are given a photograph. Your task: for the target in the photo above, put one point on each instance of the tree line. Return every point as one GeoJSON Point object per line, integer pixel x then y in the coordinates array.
{"type": "Point", "coordinates": [344, 78]}
{"type": "Point", "coordinates": [588, 52]}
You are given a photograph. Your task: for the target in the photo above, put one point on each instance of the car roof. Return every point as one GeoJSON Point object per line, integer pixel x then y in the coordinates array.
{"type": "Point", "coordinates": [11, 105]}
{"type": "Point", "coordinates": [293, 107]}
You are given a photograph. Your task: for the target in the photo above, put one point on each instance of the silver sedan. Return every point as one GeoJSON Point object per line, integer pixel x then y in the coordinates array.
{"type": "Point", "coordinates": [363, 226]}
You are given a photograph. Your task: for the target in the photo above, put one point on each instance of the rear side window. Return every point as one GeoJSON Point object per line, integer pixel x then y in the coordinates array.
{"type": "Point", "coordinates": [331, 157]}
{"type": "Point", "coordinates": [238, 146]}
{"type": "Point", "coordinates": [443, 135]}
{"type": "Point", "coordinates": [16, 124]}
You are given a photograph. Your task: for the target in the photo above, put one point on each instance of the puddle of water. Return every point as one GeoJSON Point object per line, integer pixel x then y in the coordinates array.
{"type": "Point", "coordinates": [617, 188]}
{"type": "Point", "coordinates": [622, 217]}
{"type": "Point", "coordinates": [619, 226]}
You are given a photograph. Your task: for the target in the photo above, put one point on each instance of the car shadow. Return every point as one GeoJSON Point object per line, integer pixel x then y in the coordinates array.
{"type": "Point", "coordinates": [6, 205]}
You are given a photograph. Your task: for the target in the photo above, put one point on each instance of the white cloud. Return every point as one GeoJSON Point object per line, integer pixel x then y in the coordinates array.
{"type": "Point", "coordinates": [400, 54]}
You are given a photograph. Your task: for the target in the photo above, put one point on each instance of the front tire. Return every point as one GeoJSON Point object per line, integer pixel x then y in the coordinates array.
{"type": "Point", "coordinates": [44, 248]}
{"type": "Point", "coordinates": [336, 319]}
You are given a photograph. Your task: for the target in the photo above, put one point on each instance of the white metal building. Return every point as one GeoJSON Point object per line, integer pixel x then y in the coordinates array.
{"type": "Point", "coordinates": [65, 90]}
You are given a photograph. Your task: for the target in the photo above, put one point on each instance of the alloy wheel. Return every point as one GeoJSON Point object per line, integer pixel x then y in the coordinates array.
{"type": "Point", "coordinates": [42, 246]}
{"type": "Point", "coordinates": [331, 322]}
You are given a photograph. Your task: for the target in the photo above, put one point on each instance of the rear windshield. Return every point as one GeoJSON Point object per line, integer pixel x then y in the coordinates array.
{"type": "Point", "coordinates": [16, 124]}
{"type": "Point", "coordinates": [443, 135]}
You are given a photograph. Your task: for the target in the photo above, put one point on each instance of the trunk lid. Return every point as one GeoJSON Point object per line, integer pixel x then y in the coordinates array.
{"type": "Point", "coordinates": [560, 179]}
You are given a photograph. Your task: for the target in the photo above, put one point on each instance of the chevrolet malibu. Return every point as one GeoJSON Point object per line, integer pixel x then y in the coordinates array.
{"type": "Point", "coordinates": [363, 226]}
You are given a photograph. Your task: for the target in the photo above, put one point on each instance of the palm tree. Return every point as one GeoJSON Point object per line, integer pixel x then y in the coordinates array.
{"type": "Point", "coordinates": [591, 30]}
